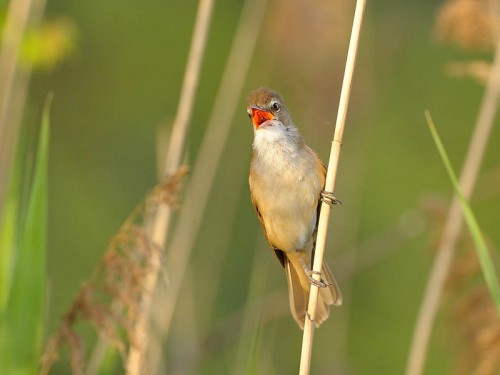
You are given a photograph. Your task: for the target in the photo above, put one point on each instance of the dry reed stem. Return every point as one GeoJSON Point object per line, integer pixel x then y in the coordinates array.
{"type": "Point", "coordinates": [110, 299]}
{"type": "Point", "coordinates": [13, 81]}
{"type": "Point", "coordinates": [307, 341]}
{"type": "Point", "coordinates": [242, 50]}
{"type": "Point", "coordinates": [136, 360]}
{"type": "Point", "coordinates": [210, 153]}
{"type": "Point", "coordinates": [454, 223]}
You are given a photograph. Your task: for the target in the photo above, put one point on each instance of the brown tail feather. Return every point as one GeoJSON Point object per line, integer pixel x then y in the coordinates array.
{"type": "Point", "coordinates": [298, 291]}
{"type": "Point", "coordinates": [297, 295]}
{"type": "Point", "coordinates": [331, 294]}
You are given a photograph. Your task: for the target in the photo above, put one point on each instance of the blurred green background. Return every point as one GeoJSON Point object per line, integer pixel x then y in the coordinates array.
{"type": "Point", "coordinates": [122, 84]}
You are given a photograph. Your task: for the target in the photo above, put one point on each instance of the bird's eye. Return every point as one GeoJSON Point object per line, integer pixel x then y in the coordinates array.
{"type": "Point", "coordinates": [276, 106]}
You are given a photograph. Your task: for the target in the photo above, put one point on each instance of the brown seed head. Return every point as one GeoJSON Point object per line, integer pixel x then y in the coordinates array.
{"type": "Point", "coordinates": [466, 23]}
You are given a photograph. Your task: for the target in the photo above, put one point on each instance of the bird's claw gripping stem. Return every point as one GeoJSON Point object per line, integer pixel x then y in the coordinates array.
{"type": "Point", "coordinates": [309, 273]}
{"type": "Point", "coordinates": [328, 198]}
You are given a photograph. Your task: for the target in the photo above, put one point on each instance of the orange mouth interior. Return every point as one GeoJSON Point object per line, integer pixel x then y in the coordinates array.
{"type": "Point", "coordinates": [259, 116]}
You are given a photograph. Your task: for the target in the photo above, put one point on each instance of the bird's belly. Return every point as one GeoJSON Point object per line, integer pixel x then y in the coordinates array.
{"type": "Point", "coordinates": [285, 185]}
{"type": "Point", "coordinates": [290, 214]}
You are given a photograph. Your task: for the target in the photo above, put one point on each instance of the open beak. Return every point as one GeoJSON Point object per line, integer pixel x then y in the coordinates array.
{"type": "Point", "coordinates": [259, 116]}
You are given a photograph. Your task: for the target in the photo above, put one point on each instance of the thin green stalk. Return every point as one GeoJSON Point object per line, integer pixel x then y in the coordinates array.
{"type": "Point", "coordinates": [453, 224]}
{"type": "Point", "coordinates": [485, 260]}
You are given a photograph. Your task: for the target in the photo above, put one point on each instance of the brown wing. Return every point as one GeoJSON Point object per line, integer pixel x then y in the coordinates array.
{"type": "Point", "coordinates": [318, 210]}
{"type": "Point", "coordinates": [279, 253]}
{"type": "Point", "coordinates": [323, 173]}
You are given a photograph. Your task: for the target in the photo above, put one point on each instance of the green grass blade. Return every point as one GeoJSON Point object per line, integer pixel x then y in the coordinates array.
{"type": "Point", "coordinates": [485, 260]}
{"type": "Point", "coordinates": [9, 224]}
{"type": "Point", "coordinates": [8, 229]}
{"type": "Point", "coordinates": [21, 323]}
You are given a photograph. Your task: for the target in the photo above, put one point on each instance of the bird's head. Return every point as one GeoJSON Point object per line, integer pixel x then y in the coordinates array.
{"type": "Point", "coordinates": [266, 108]}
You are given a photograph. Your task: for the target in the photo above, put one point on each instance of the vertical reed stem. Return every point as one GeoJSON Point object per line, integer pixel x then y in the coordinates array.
{"type": "Point", "coordinates": [454, 222]}
{"type": "Point", "coordinates": [136, 361]}
{"type": "Point", "coordinates": [307, 340]}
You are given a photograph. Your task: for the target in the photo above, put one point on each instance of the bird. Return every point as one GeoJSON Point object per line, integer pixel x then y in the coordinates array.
{"type": "Point", "coordinates": [286, 181]}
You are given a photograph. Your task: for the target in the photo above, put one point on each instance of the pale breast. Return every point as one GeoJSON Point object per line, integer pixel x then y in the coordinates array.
{"type": "Point", "coordinates": [285, 185]}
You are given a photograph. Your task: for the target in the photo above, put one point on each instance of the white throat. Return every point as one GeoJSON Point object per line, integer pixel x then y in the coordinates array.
{"type": "Point", "coordinates": [275, 137]}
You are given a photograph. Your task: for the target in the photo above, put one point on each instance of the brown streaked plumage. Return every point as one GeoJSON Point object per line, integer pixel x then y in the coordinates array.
{"type": "Point", "coordinates": [286, 180]}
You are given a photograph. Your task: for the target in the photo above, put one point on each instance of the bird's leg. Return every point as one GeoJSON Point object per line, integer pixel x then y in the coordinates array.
{"type": "Point", "coordinates": [328, 198]}
{"type": "Point", "coordinates": [319, 283]}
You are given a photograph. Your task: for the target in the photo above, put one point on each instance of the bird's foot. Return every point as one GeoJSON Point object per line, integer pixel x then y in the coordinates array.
{"type": "Point", "coordinates": [319, 283]}
{"type": "Point", "coordinates": [328, 198]}
{"type": "Point", "coordinates": [309, 273]}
